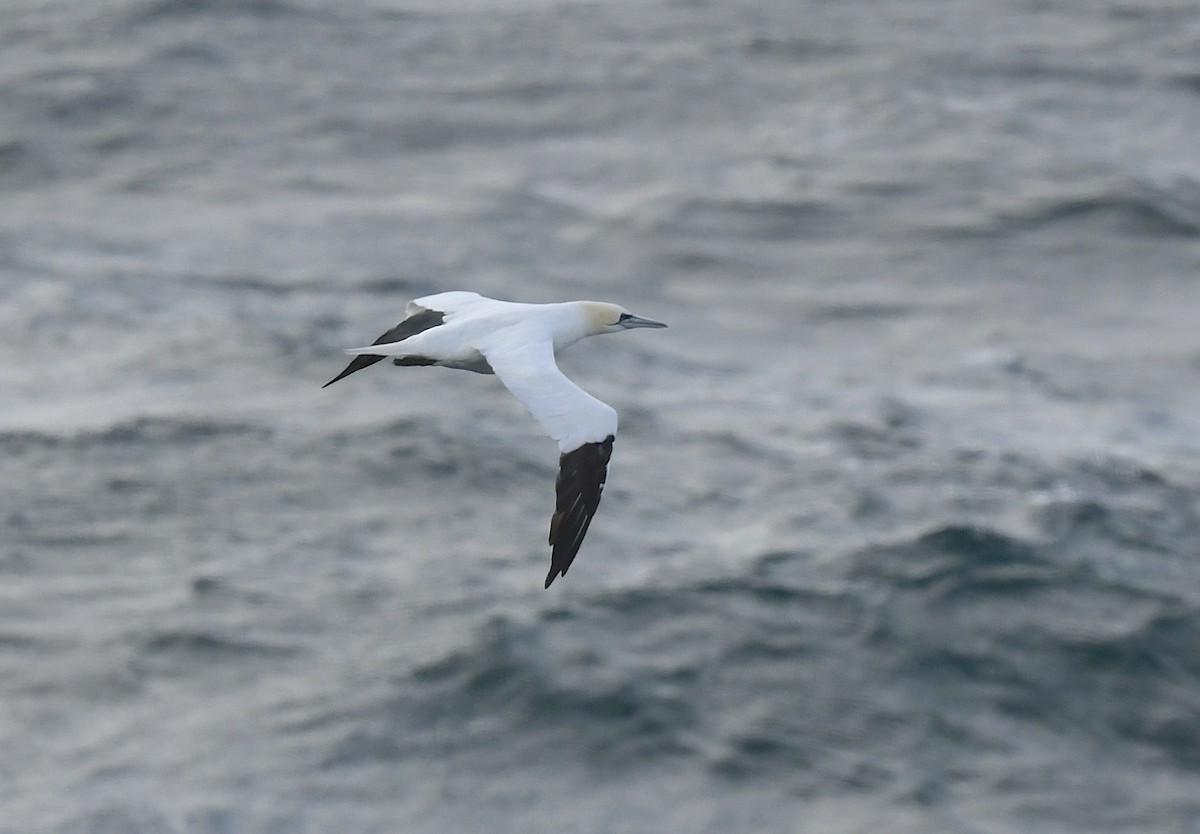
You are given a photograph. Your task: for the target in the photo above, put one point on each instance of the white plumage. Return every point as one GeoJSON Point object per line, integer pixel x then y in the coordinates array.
{"type": "Point", "coordinates": [518, 342]}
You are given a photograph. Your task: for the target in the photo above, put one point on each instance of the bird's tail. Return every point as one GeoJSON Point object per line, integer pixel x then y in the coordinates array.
{"type": "Point", "coordinates": [393, 349]}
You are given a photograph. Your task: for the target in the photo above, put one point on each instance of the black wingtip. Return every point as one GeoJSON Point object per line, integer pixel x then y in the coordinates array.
{"type": "Point", "coordinates": [411, 326]}
{"type": "Point", "coordinates": [356, 364]}
{"type": "Point", "coordinates": [581, 476]}
{"type": "Point", "coordinates": [555, 573]}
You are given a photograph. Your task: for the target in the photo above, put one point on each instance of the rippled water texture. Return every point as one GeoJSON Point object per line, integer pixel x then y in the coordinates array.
{"type": "Point", "coordinates": [900, 532]}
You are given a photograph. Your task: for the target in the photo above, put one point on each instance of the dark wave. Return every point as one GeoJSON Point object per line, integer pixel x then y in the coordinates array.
{"type": "Point", "coordinates": [1134, 212]}
{"type": "Point", "coordinates": [729, 443]}
{"type": "Point", "coordinates": [83, 101]}
{"type": "Point", "coordinates": [858, 311]}
{"type": "Point", "coordinates": [987, 618]}
{"type": "Point", "coordinates": [761, 219]}
{"type": "Point", "coordinates": [814, 674]}
{"type": "Point", "coordinates": [185, 652]}
{"type": "Point", "coordinates": [396, 288]}
{"type": "Point", "coordinates": [441, 448]}
{"type": "Point", "coordinates": [957, 559]}
{"type": "Point", "coordinates": [684, 657]}
{"type": "Point", "coordinates": [163, 431]}
{"type": "Point", "coordinates": [23, 164]}
{"type": "Point", "coordinates": [205, 644]}
{"type": "Point", "coordinates": [509, 672]}
{"type": "Point", "coordinates": [795, 48]}
{"type": "Point", "coordinates": [433, 126]}
{"type": "Point", "coordinates": [169, 10]}
{"type": "Point", "coordinates": [1129, 213]}
{"type": "Point", "coordinates": [1121, 507]}
{"type": "Point", "coordinates": [1143, 681]}
{"type": "Point", "coordinates": [874, 441]}
{"type": "Point", "coordinates": [511, 690]}
{"type": "Point", "coordinates": [1079, 522]}
{"type": "Point", "coordinates": [1189, 81]}
{"type": "Point", "coordinates": [1120, 475]}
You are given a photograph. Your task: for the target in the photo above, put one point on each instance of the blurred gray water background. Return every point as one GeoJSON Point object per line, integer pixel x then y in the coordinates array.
{"type": "Point", "coordinates": [901, 532]}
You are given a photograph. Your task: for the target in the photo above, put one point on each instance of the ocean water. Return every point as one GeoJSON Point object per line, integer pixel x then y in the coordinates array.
{"type": "Point", "coordinates": [902, 530]}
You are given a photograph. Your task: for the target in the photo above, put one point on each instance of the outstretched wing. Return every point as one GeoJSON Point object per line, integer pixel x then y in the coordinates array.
{"type": "Point", "coordinates": [583, 426]}
{"type": "Point", "coordinates": [571, 415]}
{"type": "Point", "coordinates": [419, 321]}
{"type": "Point", "coordinates": [581, 476]}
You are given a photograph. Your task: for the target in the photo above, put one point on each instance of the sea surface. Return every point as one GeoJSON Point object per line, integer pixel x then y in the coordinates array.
{"type": "Point", "coordinates": [902, 528]}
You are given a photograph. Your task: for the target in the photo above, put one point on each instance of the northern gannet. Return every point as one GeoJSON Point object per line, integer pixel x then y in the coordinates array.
{"type": "Point", "coordinates": [517, 342]}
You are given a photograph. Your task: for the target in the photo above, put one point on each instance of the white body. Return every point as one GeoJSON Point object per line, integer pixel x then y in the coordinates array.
{"type": "Point", "coordinates": [518, 342]}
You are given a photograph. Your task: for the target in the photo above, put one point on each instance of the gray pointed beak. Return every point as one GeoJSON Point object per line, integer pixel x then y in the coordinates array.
{"type": "Point", "coordinates": [638, 321]}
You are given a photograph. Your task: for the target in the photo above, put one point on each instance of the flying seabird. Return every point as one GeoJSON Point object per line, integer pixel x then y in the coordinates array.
{"type": "Point", "coordinates": [518, 342]}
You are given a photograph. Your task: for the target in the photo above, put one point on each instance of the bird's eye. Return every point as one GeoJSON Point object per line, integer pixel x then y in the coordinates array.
{"type": "Point", "coordinates": [624, 317]}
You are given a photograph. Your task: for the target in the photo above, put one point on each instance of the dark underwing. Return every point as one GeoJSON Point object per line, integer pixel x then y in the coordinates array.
{"type": "Point", "coordinates": [411, 326]}
{"type": "Point", "coordinates": [581, 476]}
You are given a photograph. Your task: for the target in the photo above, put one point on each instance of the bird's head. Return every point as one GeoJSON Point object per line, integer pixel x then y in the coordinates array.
{"type": "Point", "coordinates": [612, 318]}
